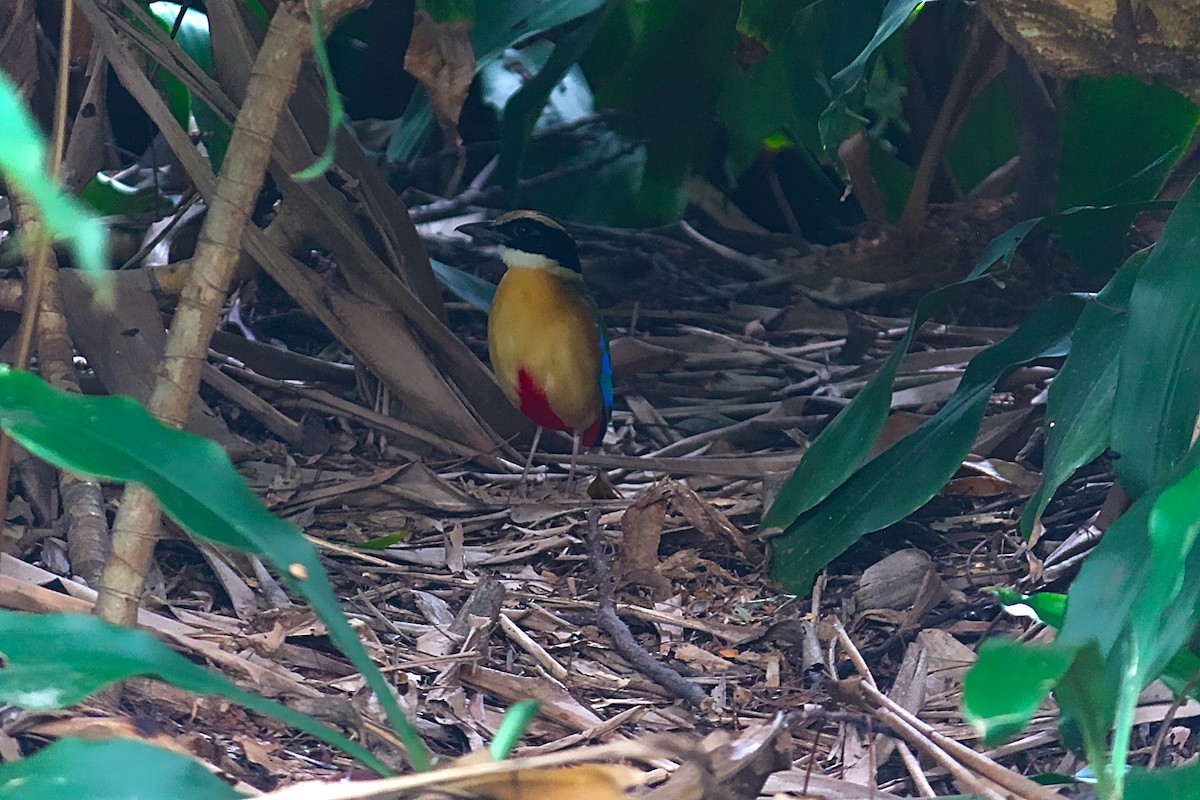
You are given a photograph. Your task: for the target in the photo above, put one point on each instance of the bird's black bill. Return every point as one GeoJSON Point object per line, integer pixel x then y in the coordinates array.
{"type": "Point", "coordinates": [481, 232]}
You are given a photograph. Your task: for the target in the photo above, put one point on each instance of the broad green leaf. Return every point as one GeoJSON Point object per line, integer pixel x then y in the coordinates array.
{"type": "Point", "coordinates": [1101, 596]}
{"type": "Point", "coordinates": [571, 100]}
{"type": "Point", "coordinates": [783, 92]}
{"type": "Point", "coordinates": [193, 38]}
{"type": "Point", "coordinates": [25, 166]}
{"type": "Point", "coordinates": [449, 11]}
{"type": "Point", "coordinates": [500, 24]}
{"type": "Point", "coordinates": [1177, 783]}
{"type": "Point", "coordinates": [1120, 141]}
{"type": "Point", "coordinates": [662, 65]}
{"type": "Point", "coordinates": [1130, 614]}
{"type": "Point", "coordinates": [1135, 601]}
{"type": "Point", "coordinates": [1089, 695]}
{"type": "Point", "coordinates": [116, 769]}
{"type": "Point", "coordinates": [1158, 388]}
{"type": "Point", "coordinates": [51, 661]}
{"type": "Point", "coordinates": [906, 475]}
{"type": "Point", "coordinates": [1008, 682]}
{"type": "Point", "coordinates": [197, 486]}
{"type": "Point", "coordinates": [1180, 672]}
{"type": "Point", "coordinates": [843, 445]}
{"type": "Point", "coordinates": [1079, 404]}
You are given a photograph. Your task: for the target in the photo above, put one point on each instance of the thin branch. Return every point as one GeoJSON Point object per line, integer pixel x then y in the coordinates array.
{"type": "Point", "coordinates": [623, 641]}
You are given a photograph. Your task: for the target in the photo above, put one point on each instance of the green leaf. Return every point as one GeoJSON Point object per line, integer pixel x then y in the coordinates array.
{"type": "Point", "coordinates": [516, 721]}
{"type": "Point", "coordinates": [522, 110]}
{"type": "Point", "coordinates": [843, 115]}
{"type": "Point", "coordinates": [193, 38]}
{"type": "Point", "coordinates": [501, 24]}
{"type": "Point", "coordinates": [1047, 607]}
{"type": "Point", "coordinates": [783, 91]}
{"type": "Point", "coordinates": [1008, 682]}
{"type": "Point", "coordinates": [116, 769]}
{"type": "Point", "coordinates": [197, 486]}
{"type": "Point", "coordinates": [386, 541]}
{"type": "Point", "coordinates": [1158, 388]}
{"type": "Point", "coordinates": [24, 164]}
{"type": "Point", "coordinates": [910, 472]}
{"type": "Point", "coordinates": [449, 11]}
{"type": "Point", "coordinates": [1177, 783]}
{"type": "Point", "coordinates": [111, 197]}
{"type": "Point", "coordinates": [1079, 404]}
{"type": "Point", "coordinates": [466, 287]}
{"type": "Point", "coordinates": [1120, 141]}
{"type": "Point", "coordinates": [662, 65]}
{"type": "Point", "coordinates": [1136, 601]}
{"type": "Point", "coordinates": [52, 661]}
{"type": "Point", "coordinates": [843, 445]}
{"type": "Point", "coordinates": [1089, 694]}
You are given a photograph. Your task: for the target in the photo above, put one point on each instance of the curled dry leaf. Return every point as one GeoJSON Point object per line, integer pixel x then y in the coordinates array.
{"type": "Point", "coordinates": [897, 581]}
{"type": "Point", "coordinates": [642, 526]}
{"type": "Point", "coordinates": [440, 57]}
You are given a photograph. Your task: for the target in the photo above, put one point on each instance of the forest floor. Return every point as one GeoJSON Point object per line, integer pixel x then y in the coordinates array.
{"type": "Point", "coordinates": [473, 595]}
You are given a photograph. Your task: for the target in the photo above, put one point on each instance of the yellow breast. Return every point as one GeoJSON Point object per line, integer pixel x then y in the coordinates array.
{"type": "Point", "coordinates": [540, 326]}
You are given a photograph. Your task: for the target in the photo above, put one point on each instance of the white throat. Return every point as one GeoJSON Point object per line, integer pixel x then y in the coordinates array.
{"type": "Point", "coordinates": [519, 259]}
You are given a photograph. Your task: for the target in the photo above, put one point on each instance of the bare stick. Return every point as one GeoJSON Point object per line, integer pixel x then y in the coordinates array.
{"type": "Point", "coordinates": [622, 637]}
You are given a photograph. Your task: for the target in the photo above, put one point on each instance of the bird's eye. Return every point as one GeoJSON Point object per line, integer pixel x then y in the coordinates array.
{"type": "Point", "coordinates": [522, 229]}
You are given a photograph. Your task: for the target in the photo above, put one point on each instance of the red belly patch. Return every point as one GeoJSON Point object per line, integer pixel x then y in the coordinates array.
{"type": "Point", "coordinates": [535, 404]}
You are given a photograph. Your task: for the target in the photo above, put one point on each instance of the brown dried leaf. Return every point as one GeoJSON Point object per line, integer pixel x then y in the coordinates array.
{"type": "Point", "coordinates": [894, 582]}
{"type": "Point", "coordinates": [642, 526]}
{"type": "Point", "coordinates": [440, 57]}
{"type": "Point", "coordinates": [712, 523]}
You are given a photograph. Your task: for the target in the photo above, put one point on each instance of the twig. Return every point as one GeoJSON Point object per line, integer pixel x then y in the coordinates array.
{"type": "Point", "coordinates": [915, 771]}
{"type": "Point", "coordinates": [1183, 696]}
{"type": "Point", "coordinates": [623, 642]}
{"type": "Point", "coordinates": [918, 733]}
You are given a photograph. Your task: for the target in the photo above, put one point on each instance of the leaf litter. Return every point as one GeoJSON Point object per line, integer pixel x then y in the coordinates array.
{"type": "Point", "coordinates": [472, 600]}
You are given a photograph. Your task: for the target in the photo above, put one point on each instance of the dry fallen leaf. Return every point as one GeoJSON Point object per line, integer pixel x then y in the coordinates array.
{"type": "Point", "coordinates": [440, 57]}
{"type": "Point", "coordinates": [642, 526]}
{"type": "Point", "coordinates": [581, 782]}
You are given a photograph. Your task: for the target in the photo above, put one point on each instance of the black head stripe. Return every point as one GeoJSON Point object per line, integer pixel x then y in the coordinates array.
{"type": "Point", "coordinates": [530, 232]}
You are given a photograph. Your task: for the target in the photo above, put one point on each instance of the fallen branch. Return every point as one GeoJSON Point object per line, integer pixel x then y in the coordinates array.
{"type": "Point", "coordinates": [623, 642]}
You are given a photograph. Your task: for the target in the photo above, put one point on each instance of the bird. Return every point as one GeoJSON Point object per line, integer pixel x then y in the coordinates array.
{"type": "Point", "coordinates": [546, 338]}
